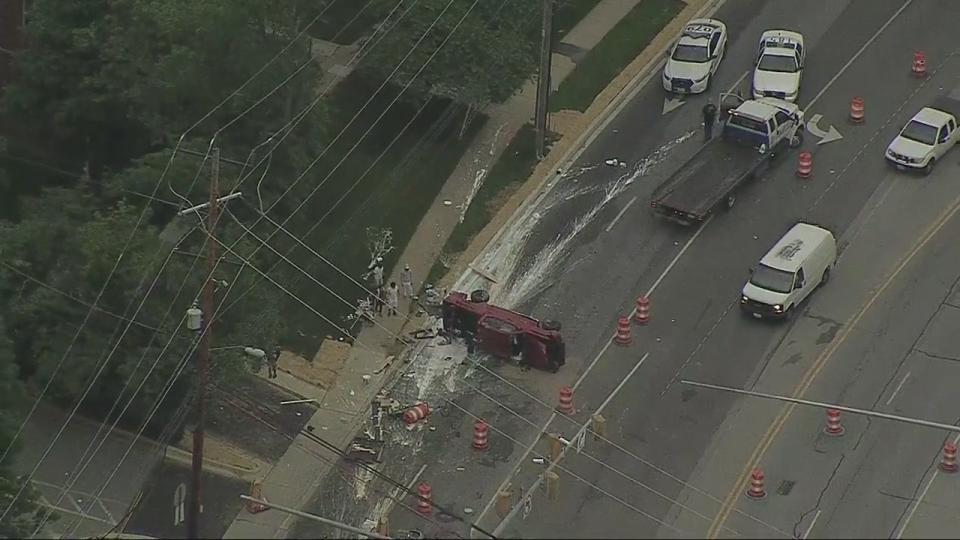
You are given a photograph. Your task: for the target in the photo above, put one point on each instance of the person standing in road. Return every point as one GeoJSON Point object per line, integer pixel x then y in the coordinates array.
{"type": "Point", "coordinates": [709, 119]}
{"type": "Point", "coordinates": [392, 296]}
{"type": "Point", "coordinates": [272, 360]}
{"type": "Point", "coordinates": [406, 281]}
{"type": "Point", "coordinates": [378, 272]}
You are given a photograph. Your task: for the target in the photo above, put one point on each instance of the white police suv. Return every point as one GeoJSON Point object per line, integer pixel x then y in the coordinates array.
{"type": "Point", "coordinates": [695, 57]}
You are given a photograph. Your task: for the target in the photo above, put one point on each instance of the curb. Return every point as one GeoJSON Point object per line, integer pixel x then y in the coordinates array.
{"type": "Point", "coordinates": [223, 469]}
{"type": "Point", "coordinates": [597, 115]}
{"type": "Point", "coordinates": [178, 454]}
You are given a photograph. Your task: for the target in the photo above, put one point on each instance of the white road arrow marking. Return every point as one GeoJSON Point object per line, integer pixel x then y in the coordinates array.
{"type": "Point", "coordinates": [825, 136]}
{"type": "Point", "coordinates": [670, 104]}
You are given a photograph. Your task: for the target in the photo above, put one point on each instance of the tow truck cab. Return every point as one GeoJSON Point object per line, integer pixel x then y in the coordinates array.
{"type": "Point", "coordinates": [765, 123]}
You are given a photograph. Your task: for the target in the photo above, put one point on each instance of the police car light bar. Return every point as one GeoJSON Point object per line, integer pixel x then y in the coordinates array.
{"type": "Point", "coordinates": [698, 30]}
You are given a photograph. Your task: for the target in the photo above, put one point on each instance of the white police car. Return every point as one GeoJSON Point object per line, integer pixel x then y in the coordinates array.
{"type": "Point", "coordinates": [779, 65]}
{"type": "Point", "coordinates": [695, 57]}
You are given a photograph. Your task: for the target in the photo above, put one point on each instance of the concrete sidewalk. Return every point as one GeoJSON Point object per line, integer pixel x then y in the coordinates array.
{"type": "Point", "coordinates": [345, 406]}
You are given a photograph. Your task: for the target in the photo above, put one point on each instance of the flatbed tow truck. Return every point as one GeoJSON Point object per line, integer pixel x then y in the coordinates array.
{"type": "Point", "coordinates": [753, 134]}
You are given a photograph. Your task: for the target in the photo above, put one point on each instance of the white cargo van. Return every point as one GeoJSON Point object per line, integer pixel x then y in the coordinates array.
{"type": "Point", "coordinates": [796, 265]}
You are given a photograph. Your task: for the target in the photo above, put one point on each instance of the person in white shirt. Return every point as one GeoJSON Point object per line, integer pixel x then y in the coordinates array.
{"type": "Point", "coordinates": [392, 296]}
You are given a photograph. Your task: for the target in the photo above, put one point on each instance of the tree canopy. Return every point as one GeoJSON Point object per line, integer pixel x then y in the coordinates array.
{"type": "Point", "coordinates": [484, 60]}
{"type": "Point", "coordinates": [103, 91]}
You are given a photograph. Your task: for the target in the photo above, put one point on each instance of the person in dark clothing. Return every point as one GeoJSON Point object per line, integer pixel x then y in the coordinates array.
{"type": "Point", "coordinates": [272, 360]}
{"type": "Point", "coordinates": [709, 119]}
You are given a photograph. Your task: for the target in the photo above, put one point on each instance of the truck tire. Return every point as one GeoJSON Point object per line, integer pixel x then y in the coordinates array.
{"type": "Point", "coordinates": [797, 138]}
{"type": "Point", "coordinates": [550, 324]}
{"type": "Point", "coordinates": [479, 296]}
{"type": "Point", "coordinates": [929, 168]}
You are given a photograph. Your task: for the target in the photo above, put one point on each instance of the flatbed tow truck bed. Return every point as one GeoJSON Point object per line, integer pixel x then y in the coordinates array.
{"type": "Point", "coordinates": [710, 177]}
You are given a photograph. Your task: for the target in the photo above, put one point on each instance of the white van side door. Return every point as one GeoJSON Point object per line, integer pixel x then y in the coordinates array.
{"type": "Point", "coordinates": [801, 286]}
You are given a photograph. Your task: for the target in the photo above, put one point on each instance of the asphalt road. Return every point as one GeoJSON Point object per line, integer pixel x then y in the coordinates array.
{"type": "Point", "coordinates": [79, 507]}
{"type": "Point", "coordinates": [162, 514]}
{"type": "Point", "coordinates": [696, 330]}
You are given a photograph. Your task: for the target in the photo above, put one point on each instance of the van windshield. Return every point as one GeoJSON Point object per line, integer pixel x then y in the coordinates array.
{"type": "Point", "coordinates": [772, 279]}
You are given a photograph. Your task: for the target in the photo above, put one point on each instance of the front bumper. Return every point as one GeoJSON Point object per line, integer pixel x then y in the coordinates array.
{"type": "Point", "coordinates": [903, 162]}
{"type": "Point", "coordinates": [760, 310]}
{"type": "Point", "coordinates": [684, 86]}
{"type": "Point", "coordinates": [792, 98]}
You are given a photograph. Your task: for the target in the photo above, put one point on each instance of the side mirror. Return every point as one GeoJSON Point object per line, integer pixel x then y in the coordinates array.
{"type": "Point", "coordinates": [763, 149]}
{"type": "Point", "coordinates": [750, 271]}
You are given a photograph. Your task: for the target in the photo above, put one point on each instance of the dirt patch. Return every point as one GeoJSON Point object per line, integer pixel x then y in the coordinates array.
{"type": "Point", "coordinates": [248, 423]}
{"type": "Point", "coordinates": [566, 122]}
{"type": "Point", "coordinates": [325, 367]}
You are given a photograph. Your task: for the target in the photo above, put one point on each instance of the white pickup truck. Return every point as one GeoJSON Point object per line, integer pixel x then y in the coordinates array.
{"type": "Point", "coordinates": [926, 137]}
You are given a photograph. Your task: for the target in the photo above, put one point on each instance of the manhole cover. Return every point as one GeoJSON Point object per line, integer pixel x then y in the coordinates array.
{"type": "Point", "coordinates": [785, 487]}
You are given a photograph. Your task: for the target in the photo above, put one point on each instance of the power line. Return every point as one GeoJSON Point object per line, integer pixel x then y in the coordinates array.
{"type": "Point", "coordinates": [571, 473]}
{"type": "Point", "coordinates": [100, 366]}
{"type": "Point", "coordinates": [530, 395]}
{"type": "Point", "coordinates": [310, 276]}
{"type": "Point", "coordinates": [80, 301]}
{"type": "Point", "coordinates": [232, 283]}
{"type": "Point", "coordinates": [603, 463]}
{"type": "Point", "coordinates": [472, 387]}
{"type": "Point", "coordinates": [282, 83]}
{"type": "Point", "coordinates": [140, 219]}
{"type": "Point", "coordinates": [239, 89]}
{"type": "Point", "coordinates": [123, 251]}
{"type": "Point", "coordinates": [381, 115]}
{"type": "Point", "coordinates": [343, 473]}
{"type": "Point", "coordinates": [362, 137]}
{"type": "Point", "coordinates": [624, 450]}
{"type": "Point", "coordinates": [292, 124]}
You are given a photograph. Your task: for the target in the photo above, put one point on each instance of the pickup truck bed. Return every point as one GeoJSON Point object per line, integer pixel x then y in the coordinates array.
{"type": "Point", "coordinates": [711, 175]}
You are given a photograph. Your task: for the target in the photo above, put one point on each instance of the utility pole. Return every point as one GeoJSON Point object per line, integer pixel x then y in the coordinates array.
{"type": "Point", "coordinates": [203, 354]}
{"type": "Point", "coordinates": [543, 79]}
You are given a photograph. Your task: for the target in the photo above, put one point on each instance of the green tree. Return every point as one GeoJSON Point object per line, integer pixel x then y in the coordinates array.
{"type": "Point", "coordinates": [485, 60]}
{"type": "Point", "coordinates": [107, 81]}
{"type": "Point", "coordinates": [24, 517]}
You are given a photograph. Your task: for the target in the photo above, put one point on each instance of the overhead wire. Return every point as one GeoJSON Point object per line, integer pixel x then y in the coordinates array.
{"type": "Point", "coordinates": [342, 471]}
{"type": "Point", "coordinates": [617, 471]}
{"type": "Point", "coordinates": [195, 177]}
{"type": "Point", "coordinates": [125, 247]}
{"type": "Point", "coordinates": [600, 462]}
{"type": "Point", "coordinates": [99, 367]}
{"type": "Point", "coordinates": [421, 68]}
{"type": "Point", "coordinates": [309, 275]}
{"type": "Point", "coordinates": [78, 300]}
{"type": "Point", "coordinates": [573, 474]}
{"type": "Point", "coordinates": [626, 451]}
{"type": "Point", "coordinates": [239, 89]}
{"type": "Point", "coordinates": [180, 370]}
{"type": "Point", "coordinates": [376, 122]}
